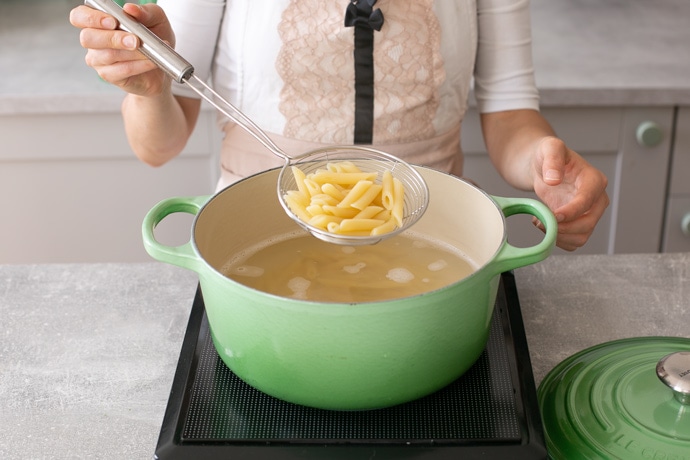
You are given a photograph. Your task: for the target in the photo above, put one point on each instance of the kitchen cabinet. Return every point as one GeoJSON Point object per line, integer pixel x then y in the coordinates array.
{"type": "Point", "coordinates": [80, 193]}
{"type": "Point", "coordinates": [677, 223]}
{"type": "Point", "coordinates": [74, 191]}
{"type": "Point", "coordinates": [631, 145]}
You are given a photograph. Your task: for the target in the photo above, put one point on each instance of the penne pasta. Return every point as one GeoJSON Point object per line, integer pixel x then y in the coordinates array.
{"type": "Point", "coordinates": [387, 227]}
{"type": "Point", "coordinates": [383, 215]}
{"type": "Point", "coordinates": [346, 213]}
{"type": "Point", "coordinates": [398, 201]}
{"type": "Point", "coordinates": [322, 199]}
{"type": "Point", "coordinates": [355, 193]}
{"type": "Point", "coordinates": [367, 197]}
{"type": "Point", "coordinates": [313, 187]}
{"type": "Point", "coordinates": [335, 228]}
{"type": "Point", "coordinates": [299, 178]}
{"type": "Point", "coordinates": [297, 208]}
{"type": "Point", "coordinates": [322, 220]}
{"type": "Point", "coordinates": [345, 200]}
{"type": "Point", "coordinates": [343, 167]}
{"type": "Point", "coordinates": [377, 201]}
{"type": "Point", "coordinates": [315, 210]}
{"type": "Point", "coordinates": [334, 191]}
{"type": "Point", "coordinates": [341, 178]}
{"type": "Point", "coordinates": [358, 225]}
{"type": "Point", "coordinates": [387, 192]}
{"type": "Point", "coordinates": [369, 212]}
{"type": "Point", "coordinates": [300, 197]}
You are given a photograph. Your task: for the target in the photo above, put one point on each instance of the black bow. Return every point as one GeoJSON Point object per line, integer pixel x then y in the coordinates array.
{"type": "Point", "coordinates": [361, 12]}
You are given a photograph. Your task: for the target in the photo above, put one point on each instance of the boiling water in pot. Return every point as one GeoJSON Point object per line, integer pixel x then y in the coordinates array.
{"type": "Point", "coordinates": [307, 268]}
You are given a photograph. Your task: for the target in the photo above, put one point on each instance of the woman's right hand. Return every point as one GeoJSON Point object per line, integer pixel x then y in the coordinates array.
{"type": "Point", "coordinates": [114, 54]}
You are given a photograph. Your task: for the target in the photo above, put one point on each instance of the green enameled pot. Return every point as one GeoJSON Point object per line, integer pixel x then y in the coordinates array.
{"type": "Point", "coordinates": [349, 356]}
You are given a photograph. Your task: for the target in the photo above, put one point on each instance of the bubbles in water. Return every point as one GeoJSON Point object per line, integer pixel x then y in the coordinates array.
{"type": "Point", "coordinates": [248, 270]}
{"type": "Point", "coordinates": [400, 275]}
{"type": "Point", "coordinates": [299, 286]}
{"type": "Point", "coordinates": [440, 264]}
{"type": "Point", "coordinates": [352, 269]}
{"type": "Point", "coordinates": [304, 268]}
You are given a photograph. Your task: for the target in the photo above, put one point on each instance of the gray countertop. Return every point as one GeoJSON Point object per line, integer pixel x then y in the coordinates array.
{"type": "Point", "coordinates": [88, 352]}
{"type": "Point", "coordinates": [586, 53]}
{"type": "Point", "coordinates": [612, 52]}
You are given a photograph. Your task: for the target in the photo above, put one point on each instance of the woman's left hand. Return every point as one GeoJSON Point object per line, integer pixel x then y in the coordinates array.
{"type": "Point", "coordinates": [572, 188]}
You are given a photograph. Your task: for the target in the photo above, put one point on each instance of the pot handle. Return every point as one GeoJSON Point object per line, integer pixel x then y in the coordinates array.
{"type": "Point", "coordinates": [183, 255]}
{"type": "Point", "coordinates": [511, 257]}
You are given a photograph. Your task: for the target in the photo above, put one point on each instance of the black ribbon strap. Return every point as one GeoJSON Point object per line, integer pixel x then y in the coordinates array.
{"type": "Point", "coordinates": [361, 15]}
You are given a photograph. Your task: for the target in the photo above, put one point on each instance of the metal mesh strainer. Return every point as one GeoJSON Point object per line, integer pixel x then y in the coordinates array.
{"type": "Point", "coordinates": [416, 197]}
{"type": "Point", "coordinates": [416, 192]}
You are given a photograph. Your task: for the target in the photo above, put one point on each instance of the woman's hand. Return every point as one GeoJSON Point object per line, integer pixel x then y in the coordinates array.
{"type": "Point", "coordinates": [157, 123]}
{"type": "Point", "coordinates": [572, 188]}
{"type": "Point", "coordinates": [526, 152]}
{"type": "Point", "coordinates": [114, 53]}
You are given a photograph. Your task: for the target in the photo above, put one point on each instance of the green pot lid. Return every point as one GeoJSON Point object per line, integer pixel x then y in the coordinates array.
{"type": "Point", "coordinates": [610, 401]}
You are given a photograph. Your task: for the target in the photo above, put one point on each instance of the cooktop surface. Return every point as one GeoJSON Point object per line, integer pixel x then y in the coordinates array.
{"type": "Point", "coordinates": [489, 412]}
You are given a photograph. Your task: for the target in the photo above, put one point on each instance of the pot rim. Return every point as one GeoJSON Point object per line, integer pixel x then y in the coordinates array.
{"type": "Point", "coordinates": [298, 230]}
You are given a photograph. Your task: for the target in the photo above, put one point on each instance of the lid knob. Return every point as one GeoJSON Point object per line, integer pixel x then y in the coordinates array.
{"type": "Point", "coordinates": [674, 371]}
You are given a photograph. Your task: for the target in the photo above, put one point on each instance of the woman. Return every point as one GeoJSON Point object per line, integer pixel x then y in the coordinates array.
{"type": "Point", "coordinates": [389, 73]}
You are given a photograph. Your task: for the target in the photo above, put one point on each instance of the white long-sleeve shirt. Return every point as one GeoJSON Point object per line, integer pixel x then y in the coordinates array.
{"type": "Point", "coordinates": [289, 66]}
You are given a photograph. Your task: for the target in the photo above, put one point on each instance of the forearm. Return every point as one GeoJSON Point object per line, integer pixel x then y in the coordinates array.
{"type": "Point", "coordinates": [158, 127]}
{"type": "Point", "coordinates": [511, 137]}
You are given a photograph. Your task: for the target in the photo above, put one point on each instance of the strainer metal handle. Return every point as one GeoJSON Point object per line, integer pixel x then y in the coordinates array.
{"type": "Point", "coordinates": [151, 46]}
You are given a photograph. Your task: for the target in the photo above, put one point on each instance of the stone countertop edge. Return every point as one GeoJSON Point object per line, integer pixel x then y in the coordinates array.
{"type": "Point", "coordinates": [110, 102]}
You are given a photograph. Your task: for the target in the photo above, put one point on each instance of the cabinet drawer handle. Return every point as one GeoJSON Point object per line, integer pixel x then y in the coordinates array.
{"type": "Point", "coordinates": [685, 224]}
{"type": "Point", "coordinates": [649, 134]}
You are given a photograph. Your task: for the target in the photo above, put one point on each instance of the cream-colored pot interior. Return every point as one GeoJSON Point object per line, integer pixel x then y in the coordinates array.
{"type": "Point", "coordinates": [459, 214]}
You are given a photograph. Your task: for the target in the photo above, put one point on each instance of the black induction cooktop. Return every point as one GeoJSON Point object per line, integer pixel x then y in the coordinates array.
{"type": "Point", "coordinates": [489, 412]}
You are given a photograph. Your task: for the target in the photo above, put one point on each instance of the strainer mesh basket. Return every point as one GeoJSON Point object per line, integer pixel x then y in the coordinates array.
{"type": "Point", "coordinates": [416, 192]}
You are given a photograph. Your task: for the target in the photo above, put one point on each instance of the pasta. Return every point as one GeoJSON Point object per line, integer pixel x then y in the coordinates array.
{"type": "Point", "coordinates": [343, 199]}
